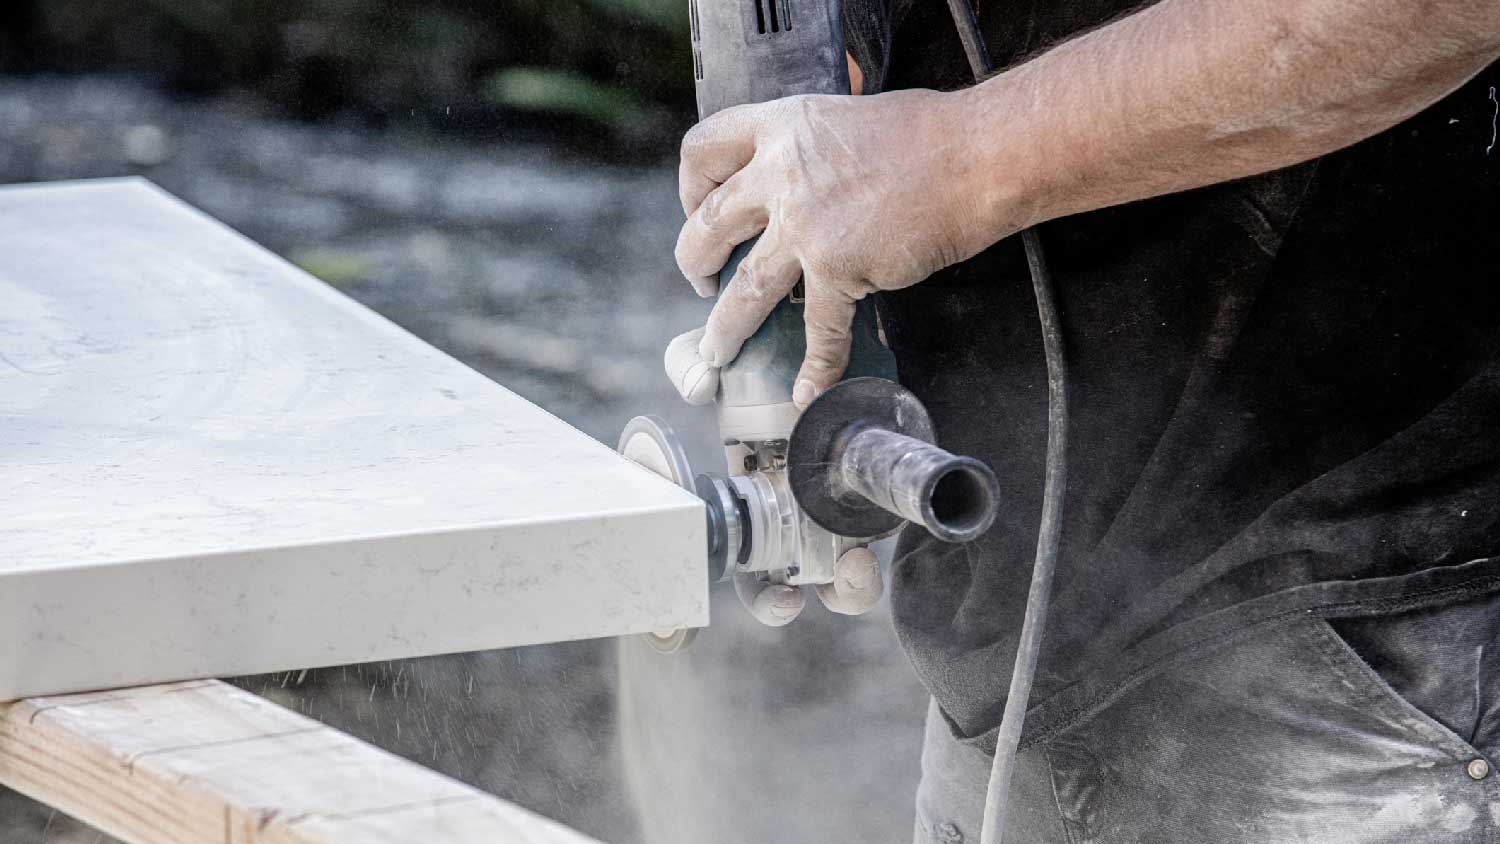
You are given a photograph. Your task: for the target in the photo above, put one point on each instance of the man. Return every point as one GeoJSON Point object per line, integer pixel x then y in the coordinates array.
{"type": "Point", "coordinates": [1274, 229]}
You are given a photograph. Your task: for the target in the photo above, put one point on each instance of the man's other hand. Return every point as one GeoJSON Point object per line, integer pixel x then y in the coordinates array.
{"type": "Point", "coordinates": [855, 590]}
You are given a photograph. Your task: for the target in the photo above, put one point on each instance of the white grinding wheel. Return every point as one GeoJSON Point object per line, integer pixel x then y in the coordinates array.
{"type": "Point", "coordinates": [650, 442]}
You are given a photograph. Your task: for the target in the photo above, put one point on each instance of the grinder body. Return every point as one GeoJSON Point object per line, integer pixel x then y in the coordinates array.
{"type": "Point", "coordinates": [802, 488]}
{"type": "Point", "coordinates": [752, 51]}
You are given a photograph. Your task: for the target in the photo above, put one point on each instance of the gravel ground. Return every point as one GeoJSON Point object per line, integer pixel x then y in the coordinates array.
{"type": "Point", "coordinates": [553, 276]}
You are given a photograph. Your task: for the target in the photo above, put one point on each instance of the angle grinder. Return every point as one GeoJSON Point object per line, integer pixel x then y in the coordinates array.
{"type": "Point", "coordinates": [803, 488]}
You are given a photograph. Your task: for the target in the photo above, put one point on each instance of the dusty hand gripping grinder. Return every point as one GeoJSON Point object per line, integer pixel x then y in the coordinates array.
{"type": "Point", "coordinates": [801, 489]}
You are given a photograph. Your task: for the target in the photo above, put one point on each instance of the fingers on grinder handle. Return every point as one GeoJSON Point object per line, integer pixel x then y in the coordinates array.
{"type": "Point", "coordinates": [763, 371]}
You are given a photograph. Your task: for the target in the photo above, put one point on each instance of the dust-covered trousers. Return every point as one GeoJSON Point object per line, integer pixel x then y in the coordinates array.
{"type": "Point", "coordinates": [1383, 729]}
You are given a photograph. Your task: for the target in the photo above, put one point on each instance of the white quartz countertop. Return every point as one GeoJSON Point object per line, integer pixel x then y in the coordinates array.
{"type": "Point", "coordinates": [212, 463]}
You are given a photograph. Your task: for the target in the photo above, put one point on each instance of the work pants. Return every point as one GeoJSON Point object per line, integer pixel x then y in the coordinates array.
{"type": "Point", "coordinates": [1350, 731]}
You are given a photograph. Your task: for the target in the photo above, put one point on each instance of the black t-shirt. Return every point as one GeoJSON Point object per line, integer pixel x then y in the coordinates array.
{"type": "Point", "coordinates": [1285, 396]}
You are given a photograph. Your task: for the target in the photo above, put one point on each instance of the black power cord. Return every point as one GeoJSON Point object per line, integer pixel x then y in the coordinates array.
{"type": "Point", "coordinates": [1049, 534]}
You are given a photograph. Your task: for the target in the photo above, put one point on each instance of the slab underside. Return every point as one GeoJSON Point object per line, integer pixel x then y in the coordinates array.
{"type": "Point", "coordinates": [203, 762]}
{"type": "Point", "coordinates": [212, 464]}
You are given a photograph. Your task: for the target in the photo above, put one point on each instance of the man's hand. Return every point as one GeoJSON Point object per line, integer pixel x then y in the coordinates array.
{"type": "Point", "coordinates": [855, 589]}
{"type": "Point", "coordinates": [850, 194]}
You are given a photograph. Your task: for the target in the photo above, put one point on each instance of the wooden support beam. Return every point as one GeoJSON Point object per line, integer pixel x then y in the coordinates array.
{"type": "Point", "coordinates": [203, 761]}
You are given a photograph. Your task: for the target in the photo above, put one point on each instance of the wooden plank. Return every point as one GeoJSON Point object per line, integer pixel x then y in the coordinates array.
{"type": "Point", "coordinates": [212, 464]}
{"type": "Point", "coordinates": [199, 762]}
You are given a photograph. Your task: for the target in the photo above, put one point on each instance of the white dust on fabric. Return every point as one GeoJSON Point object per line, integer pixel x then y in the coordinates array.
{"type": "Point", "coordinates": [1494, 122]}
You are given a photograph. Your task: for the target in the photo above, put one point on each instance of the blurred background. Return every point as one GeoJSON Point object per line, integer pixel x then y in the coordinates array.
{"type": "Point", "coordinates": [606, 72]}
{"type": "Point", "coordinates": [499, 178]}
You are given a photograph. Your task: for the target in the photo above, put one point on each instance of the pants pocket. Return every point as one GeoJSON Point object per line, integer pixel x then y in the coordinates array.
{"type": "Point", "coordinates": [955, 777]}
{"type": "Point", "coordinates": [1444, 661]}
{"type": "Point", "coordinates": [1283, 734]}
{"type": "Point", "coordinates": [1355, 670]}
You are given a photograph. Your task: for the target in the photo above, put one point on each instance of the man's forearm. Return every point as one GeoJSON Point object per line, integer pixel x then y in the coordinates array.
{"type": "Point", "coordinates": [860, 194]}
{"type": "Point", "coordinates": [1192, 92]}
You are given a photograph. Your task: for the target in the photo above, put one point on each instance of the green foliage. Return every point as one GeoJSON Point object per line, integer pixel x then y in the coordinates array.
{"type": "Point", "coordinates": [637, 45]}
{"type": "Point", "coordinates": [335, 268]}
{"type": "Point", "coordinates": [609, 61]}
{"type": "Point", "coordinates": [566, 92]}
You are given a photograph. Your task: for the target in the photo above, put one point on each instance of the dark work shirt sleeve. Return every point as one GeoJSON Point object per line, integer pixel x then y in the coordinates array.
{"type": "Point", "coordinates": [868, 25]}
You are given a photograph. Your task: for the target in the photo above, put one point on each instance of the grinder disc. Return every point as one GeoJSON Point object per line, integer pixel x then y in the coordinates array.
{"type": "Point", "coordinates": [650, 442]}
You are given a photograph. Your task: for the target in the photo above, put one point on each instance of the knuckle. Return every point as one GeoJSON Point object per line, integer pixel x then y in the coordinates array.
{"type": "Point", "coordinates": [825, 262]}
{"type": "Point", "coordinates": [826, 360]}
{"type": "Point", "coordinates": [712, 210]}
{"type": "Point", "coordinates": [827, 343]}
{"type": "Point", "coordinates": [694, 140]}
{"type": "Point", "coordinates": [828, 321]}
{"type": "Point", "coordinates": [827, 348]}
{"type": "Point", "coordinates": [725, 329]}
{"type": "Point", "coordinates": [750, 282]}
{"type": "Point", "coordinates": [687, 181]}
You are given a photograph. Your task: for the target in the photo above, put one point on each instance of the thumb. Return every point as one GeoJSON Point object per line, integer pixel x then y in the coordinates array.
{"type": "Point", "coordinates": [695, 380]}
{"type": "Point", "coordinates": [856, 585]}
{"type": "Point", "coordinates": [829, 315]}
